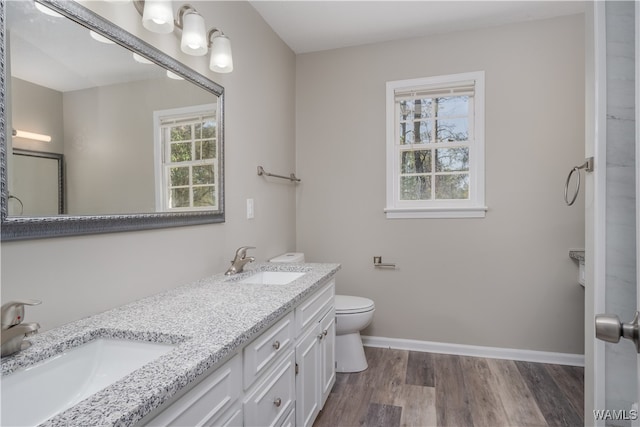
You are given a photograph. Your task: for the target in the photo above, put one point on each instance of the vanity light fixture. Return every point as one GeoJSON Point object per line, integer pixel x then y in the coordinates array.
{"type": "Point", "coordinates": [157, 16]}
{"type": "Point", "coordinates": [221, 58]}
{"type": "Point", "coordinates": [194, 34]}
{"type": "Point", "coordinates": [31, 135]}
{"type": "Point", "coordinates": [194, 39]}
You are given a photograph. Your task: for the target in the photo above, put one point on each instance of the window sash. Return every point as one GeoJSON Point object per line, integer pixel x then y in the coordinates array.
{"type": "Point", "coordinates": [176, 118]}
{"type": "Point", "coordinates": [447, 86]}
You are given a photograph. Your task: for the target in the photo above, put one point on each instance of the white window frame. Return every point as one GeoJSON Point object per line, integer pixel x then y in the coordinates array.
{"type": "Point", "coordinates": [160, 153]}
{"type": "Point", "coordinates": [474, 206]}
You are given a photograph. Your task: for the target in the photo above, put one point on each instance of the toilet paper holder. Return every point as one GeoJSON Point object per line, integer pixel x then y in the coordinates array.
{"type": "Point", "coordinates": [377, 262]}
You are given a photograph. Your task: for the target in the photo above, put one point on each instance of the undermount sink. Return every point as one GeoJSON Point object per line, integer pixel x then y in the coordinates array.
{"type": "Point", "coordinates": [272, 278]}
{"type": "Point", "coordinates": [32, 395]}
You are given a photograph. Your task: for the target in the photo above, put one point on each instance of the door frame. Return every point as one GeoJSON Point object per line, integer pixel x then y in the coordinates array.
{"type": "Point", "coordinates": [595, 205]}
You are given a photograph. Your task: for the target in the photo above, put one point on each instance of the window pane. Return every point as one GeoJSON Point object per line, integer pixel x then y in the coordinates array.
{"type": "Point", "coordinates": [453, 106]}
{"type": "Point", "coordinates": [416, 109]}
{"type": "Point", "coordinates": [203, 174]}
{"type": "Point", "coordinates": [179, 176]}
{"type": "Point", "coordinates": [416, 132]}
{"type": "Point", "coordinates": [209, 129]}
{"type": "Point", "coordinates": [452, 186]}
{"type": "Point", "coordinates": [179, 198]}
{"type": "Point", "coordinates": [181, 133]}
{"type": "Point", "coordinates": [205, 150]}
{"type": "Point", "coordinates": [181, 152]}
{"type": "Point", "coordinates": [415, 187]}
{"type": "Point", "coordinates": [203, 196]}
{"type": "Point", "coordinates": [418, 161]}
{"type": "Point", "coordinates": [453, 129]}
{"type": "Point", "coordinates": [452, 159]}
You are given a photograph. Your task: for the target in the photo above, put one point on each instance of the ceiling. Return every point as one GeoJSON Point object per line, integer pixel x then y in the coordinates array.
{"type": "Point", "coordinates": [316, 25]}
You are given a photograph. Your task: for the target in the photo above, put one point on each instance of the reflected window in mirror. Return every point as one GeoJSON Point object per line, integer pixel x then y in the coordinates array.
{"type": "Point", "coordinates": [187, 158]}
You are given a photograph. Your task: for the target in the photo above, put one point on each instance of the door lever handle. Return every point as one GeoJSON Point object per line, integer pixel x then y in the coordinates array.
{"type": "Point", "coordinates": [609, 328]}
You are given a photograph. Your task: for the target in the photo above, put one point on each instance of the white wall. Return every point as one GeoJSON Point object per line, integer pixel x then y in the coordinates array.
{"type": "Point", "coordinates": [79, 276]}
{"type": "Point", "coordinates": [503, 281]}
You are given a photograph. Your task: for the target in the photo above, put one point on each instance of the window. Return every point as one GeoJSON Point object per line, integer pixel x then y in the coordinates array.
{"type": "Point", "coordinates": [435, 147]}
{"type": "Point", "coordinates": [187, 159]}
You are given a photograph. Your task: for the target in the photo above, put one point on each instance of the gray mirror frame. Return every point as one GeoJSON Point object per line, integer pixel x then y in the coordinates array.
{"type": "Point", "coordinates": [22, 228]}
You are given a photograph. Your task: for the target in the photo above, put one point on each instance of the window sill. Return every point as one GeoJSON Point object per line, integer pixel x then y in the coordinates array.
{"type": "Point", "coordinates": [436, 212]}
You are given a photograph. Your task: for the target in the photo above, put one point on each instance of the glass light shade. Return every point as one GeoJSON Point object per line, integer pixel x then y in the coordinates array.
{"type": "Point", "coordinates": [158, 16]}
{"type": "Point", "coordinates": [174, 76]}
{"type": "Point", "coordinates": [221, 59]}
{"type": "Point", "coordinates": [44, 9]}
{"type": "Point", "coordinates": [194, 35]}
{"type": "Point", "coordinates": [100, 38]}
{"type": "Point", "coordinates": [141, 59]}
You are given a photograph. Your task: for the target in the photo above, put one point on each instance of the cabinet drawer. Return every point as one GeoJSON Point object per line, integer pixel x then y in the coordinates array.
{"type": "Point", "coordinates": [290, 421]}
{"type": "Point", "coordinates": [206, 400]}
{"type": "Point", "coordinates": [314, 307]}
{"type": "Point", "coordinates": [266, 348]}
{"type": "Point", "coordinates": [231, 418]}
{"type": "Point", "coordinates": [272, 399]}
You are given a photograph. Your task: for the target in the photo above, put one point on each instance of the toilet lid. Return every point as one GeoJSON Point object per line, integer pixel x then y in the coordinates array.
{"type": "Point", "coordinates": [346, 304]}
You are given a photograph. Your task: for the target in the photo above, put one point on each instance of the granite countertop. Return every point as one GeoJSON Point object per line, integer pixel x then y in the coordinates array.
{"type": "Point", "coordinates": [577, 255]}
{"type": "Point", "coordinates": [208, 320]}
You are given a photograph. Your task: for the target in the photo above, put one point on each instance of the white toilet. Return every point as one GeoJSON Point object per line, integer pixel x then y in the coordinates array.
{"type": "Point", "coordinates": [353, 314]}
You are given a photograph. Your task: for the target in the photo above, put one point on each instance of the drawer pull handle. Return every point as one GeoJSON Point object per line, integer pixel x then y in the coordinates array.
{"type": "Point", "coordinates": [320, 336]}
{"type": "Point", "coordinates": [277, 402]}
{"type": "Point", "coordinates": [324, 332]}
{"type": "Point", "coordinates": [276, 345]}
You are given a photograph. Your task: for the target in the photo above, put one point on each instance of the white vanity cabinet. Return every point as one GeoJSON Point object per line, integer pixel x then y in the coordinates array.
{"type": "Point", "coordinates": [281, 378]}
{"type": "Point", "coordinates": [315, 353]}
{"type": "Point", "coordinates": [205, 404]}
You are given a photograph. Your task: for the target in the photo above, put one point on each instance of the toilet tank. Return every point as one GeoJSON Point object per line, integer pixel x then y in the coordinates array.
{"type": "Point", "coordinates": [289, 257]}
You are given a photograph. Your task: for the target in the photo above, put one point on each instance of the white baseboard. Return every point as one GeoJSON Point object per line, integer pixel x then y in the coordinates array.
{"type": "Point", "coordinates": [477, 351]}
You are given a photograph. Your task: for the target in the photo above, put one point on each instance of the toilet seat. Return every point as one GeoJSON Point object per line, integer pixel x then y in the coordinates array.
{"type": "Point", "coordinates": [347, 304]}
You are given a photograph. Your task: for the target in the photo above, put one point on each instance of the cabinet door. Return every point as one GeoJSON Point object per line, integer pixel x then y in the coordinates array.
{"type": "Point", "coordinates": [308, 378]}
{"type": "Point", "coordinates": [328, 354]}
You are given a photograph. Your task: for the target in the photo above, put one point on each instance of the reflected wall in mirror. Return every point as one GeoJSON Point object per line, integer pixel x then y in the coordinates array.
{"type": "Point", "coordinates": [142, 135]}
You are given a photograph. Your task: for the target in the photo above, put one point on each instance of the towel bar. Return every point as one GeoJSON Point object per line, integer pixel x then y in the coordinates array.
{"type": "Point", "coordinates": [291, 177]}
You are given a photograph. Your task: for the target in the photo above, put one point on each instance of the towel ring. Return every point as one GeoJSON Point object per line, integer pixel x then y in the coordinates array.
{"type": "Point", "coordinates": [588, 167]}
{"type": "Point", "coordinates": [577, 189]}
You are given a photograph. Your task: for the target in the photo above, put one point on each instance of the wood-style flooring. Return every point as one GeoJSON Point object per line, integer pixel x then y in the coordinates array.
{"type": "Point", "coordinates": [407, 388]}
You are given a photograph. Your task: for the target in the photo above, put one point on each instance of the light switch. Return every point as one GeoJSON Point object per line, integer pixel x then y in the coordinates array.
{"type": "Point", "coordinates": [250, 213]}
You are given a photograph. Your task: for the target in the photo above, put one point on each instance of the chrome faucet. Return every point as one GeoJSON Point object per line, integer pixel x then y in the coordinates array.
{"type": "Point", "coordinates": [241, 258]}
{"type": "Point", "coordinates": [13, 330]}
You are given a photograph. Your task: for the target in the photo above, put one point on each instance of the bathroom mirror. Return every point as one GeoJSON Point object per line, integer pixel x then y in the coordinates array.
{"type": "Point", "coordinates": [140, 135]}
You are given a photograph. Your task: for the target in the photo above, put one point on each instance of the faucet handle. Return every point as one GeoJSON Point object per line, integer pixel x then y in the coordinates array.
{"type": "Point", "coordinates": [13, 312]}
{"type": "Point", "coordinates": [242, 251]}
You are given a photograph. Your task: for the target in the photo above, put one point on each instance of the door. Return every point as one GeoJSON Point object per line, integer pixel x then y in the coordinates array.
{"type": "Point", "coordinates": [612, 383]}
{"type": "Point", "coordinates": [308, 377]}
